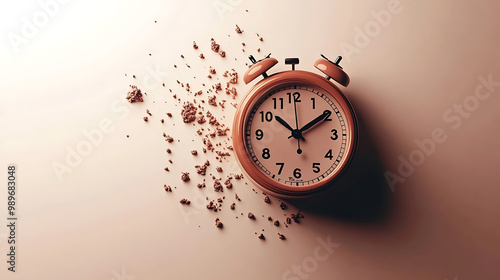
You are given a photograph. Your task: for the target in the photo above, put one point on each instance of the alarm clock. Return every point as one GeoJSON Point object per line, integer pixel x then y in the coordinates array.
{"type": "Point", "coordinates": [294, 132]}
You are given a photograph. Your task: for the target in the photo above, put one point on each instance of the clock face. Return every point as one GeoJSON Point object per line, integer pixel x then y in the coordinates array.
{"type": "Point", "coordinates": [296, 134]}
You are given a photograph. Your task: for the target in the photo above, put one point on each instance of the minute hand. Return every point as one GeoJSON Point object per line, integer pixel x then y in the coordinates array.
{"type": "Point", "coordinates": [319, 118]}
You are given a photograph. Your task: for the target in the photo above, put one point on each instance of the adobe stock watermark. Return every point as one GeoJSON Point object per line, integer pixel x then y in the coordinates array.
{"type": "Point", "coordinates": [221, 7]}
{"type": "Point", "coordinates": [31, 26]}
{"type": "Point", "coordinates": [92, 138]}
{"type": "Point", "coordinates": [121, 275]}
{"type": "Point", "coordinates": [310, 264]}
{"type": "Point", "coordinates": [453, 116]}
{"type": "Point", "coordinates": [364, 36]}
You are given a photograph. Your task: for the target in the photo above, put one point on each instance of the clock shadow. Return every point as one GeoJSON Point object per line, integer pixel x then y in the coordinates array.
{"type": "Point", "coordinates": [361, 194]}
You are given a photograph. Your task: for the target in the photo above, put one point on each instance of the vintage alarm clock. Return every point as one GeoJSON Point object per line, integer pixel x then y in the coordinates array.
{"type": "Point", "coordinates": [294, 132]}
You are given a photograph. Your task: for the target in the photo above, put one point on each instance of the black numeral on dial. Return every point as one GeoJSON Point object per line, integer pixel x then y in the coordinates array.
{"type": "Point", "coordinates": [334, 134]}
{"type": "Point", "coordinates": [316, 167]}
{"type": "Point", "coordinates": [296, 173]}
{"type": "Point", "coordinates": [329, 155]}
{"type": "Point", "coordinates": [281, 164]}
{"type": "Point", "coordinates": [266, 154]}
{"type": "Point", "coordinates": [268, 116]}
{"type": "Point", "coordinates": [276, 101]}
{"type": "Point", "coordinates": [296, 97]}
{"type": "Point", "coordinates": [259, 134]}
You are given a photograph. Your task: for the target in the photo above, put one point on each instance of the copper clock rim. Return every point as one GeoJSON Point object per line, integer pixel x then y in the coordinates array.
{"type": "Point", "coordinates": [251, 99]}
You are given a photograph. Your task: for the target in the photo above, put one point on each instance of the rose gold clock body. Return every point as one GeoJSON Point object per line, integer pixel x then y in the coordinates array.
{"type": "Point", "coordinates": [247, 110]}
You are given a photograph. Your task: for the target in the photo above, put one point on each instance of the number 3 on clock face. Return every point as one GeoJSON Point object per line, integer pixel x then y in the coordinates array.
{"type": "Point", "coordinates": [296, 134]}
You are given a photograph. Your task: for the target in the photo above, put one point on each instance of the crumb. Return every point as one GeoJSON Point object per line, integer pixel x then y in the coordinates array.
{"type": "Point", "coordinates": [218, 223]}
{"type": "Point", "coordinates": [222, 53]}
{"type": "Point", "coordinates": [201, 185]}
{"type": "Point", "coordinates": [168, 138]}
{"type": "Point", "coordinates": [218, 87]}
{"type": "Point", "coordinates": [185, 201]}
{"type": "Point", "coordinates": [169, 115]}
{"type": "Point", "coordinates": [288, 220]}
{"type": "Point", "coordinates": [145, 119]}
{"type": "Point", "coordinates": [212, 70]}
{"type": "Point", "coordinates": [182, 56]}
{"type": "Point", "coordinates": [166, 169]}
{"type": "Point", "coordinates": [147, 112]}
{"type": "Point", "coordinates": [251, 216]}
{"type": "Point", "coordinates": [212, 206]}
{"type": "Point", "coordinates": [281, 236]}
{"type": "Point", "coordinates": [231, 91]}
{"type": "Point", "coordinates": [296, 217]}
{"type": "Point", "coordinates": [162, 121]}
{"type": "Point", "coordinates": [218, 168]}
{"type": "Point", "coordinates": [167, 188]}
{"type": "Point", "coordinates": [169, 151]}
{"type": "Point", "coordinates": [234, 77]}
{"type": "Point", "coordinates": [218, 186]}
{"type": "Point", "coordinates": [134, 95]}
{"type": "Point", "coordinates": [238, 29]}
{"type": "Point", "coordinates": [262, 237]}
{"type": "Point", "coordinates": [232, 206]}
{"type": "Point", "coordinates": [211, 100]}
{"type": "Point", "coordinates": [188, 112]}
{"type": "Point", "coordinates": [208, 143]}
{"type": "Point", "coordinates": [267, 199]}
{"type": "Point", "coordinates": [283, 206]}
{"type": "Point", "coordinates": [200, 119]}
{"type": "Point", "coordinates": [202, 56]}
{"type": "Point", "coordinates": [185, 176]}
{"type": "Point", "coordinates": [228, 183]}
{"type": "Point", "coordinates": [194, 152]}
{"type": "Point", "coordinates": [277, 223]}
{"type": "Point", "coordinates": [214, 46]}
{"type": "Point", "coordinates": [195, 46]}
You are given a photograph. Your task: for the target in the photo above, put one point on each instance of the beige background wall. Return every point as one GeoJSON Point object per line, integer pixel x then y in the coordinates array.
{"type": "Point", "coordinates": [419, 83]}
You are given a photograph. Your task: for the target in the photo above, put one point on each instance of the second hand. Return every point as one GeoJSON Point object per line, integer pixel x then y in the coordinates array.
{"type": "Point", "coordinates": [299, 150]}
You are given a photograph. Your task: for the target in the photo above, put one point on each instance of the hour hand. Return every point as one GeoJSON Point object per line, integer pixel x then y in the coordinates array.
{"type": "Point", "coordinates": [284, 123]}
{"type": "Point", "coordinates": [319, 118]}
